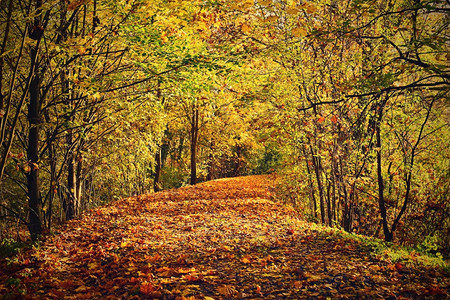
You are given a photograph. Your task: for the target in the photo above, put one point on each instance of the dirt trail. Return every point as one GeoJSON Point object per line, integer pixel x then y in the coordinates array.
{"type": "Point", "coordinates": [223, 239]}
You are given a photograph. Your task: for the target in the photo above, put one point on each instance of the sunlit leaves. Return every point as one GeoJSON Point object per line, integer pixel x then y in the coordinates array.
{"type": "Point", "coordinates": [299, 31]}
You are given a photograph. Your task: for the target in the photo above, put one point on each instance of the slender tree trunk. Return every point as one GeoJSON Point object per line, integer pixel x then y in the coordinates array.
{"type": "Point", "coordinates": [388, 236]}
{"type": "Point", "coordinates": [34, 199]}
{"type": "Point", "coordinates": [329, 212]}
{"type": "Point", "coordinates": [78, 184]}
{"type": "Point", "coordinates": [210, 175]}
{"type": "Point", "coordinates": [194, 140]}
{"type": "Point", "coordinates": [347, 217]}
{"type": "Point", "coordinates": [193, 161]}
{"type": "Point", "coordinates": [316, 166]}
{"type": "Point", "coordinates": [313, 203]}
{"type": "Point", "coordinates": [158, 154]}
{"type": "Point", "coordinates": [52, 163]}
{"type": "Point", "coordinates": [71, 180]}
{"type": "Point", "coordinates": [334, 215]}
{"type": "Point", "coordinates": [158, 162]}
{"type": "Point", "coordinates": [333, 203]}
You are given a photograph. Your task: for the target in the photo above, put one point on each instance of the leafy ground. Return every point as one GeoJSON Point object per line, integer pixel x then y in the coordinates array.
{"type": "Point", "coordinates": [217, 240]}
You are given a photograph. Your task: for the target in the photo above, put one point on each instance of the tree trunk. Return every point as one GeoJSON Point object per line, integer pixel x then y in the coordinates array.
{"type": "Point", "coordinates": [194, 140]}
{"type": "Point", "coordinates": [313, 203]}
{"type": "Point", "coordinates": [193, 162]}
{"type": "Point", "coordinates": [158, 160]}
{"type": "Point", "coordinates": [210, 175]}
{"type": "Point", "coordinates": [388, 236]}
{"type": "Point", "coordinates": [329, 211]}
{"type": "Point", "coordinates": [52, 163]}
{"type": "Point", "coordinates": [71, 181]}
{"type": "Point", "coordinates": [34, 200]}
{"type": "Point", "coordinates": [347, 217]}
{"type": "Point", "coordinates": [78, 184]}
{"type": "Point", "coordinates": [316, 166]}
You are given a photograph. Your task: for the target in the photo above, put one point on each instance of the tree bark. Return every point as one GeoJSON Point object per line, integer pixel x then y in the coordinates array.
{"type": "Point", "coordinates": [194, 140]}
{"type": "Point", "coordinates": [78, 184]}
{"type": "Point", "coordinates": [71, 181]}
{"type": "Point", "coordinates": [316, 166]}
{"type": "Point", "coordinates": [328, 198]}
{"type": "Point", "coordinates": [388, 236]}
{"type": "Point", "coordinates": [313, 203]}
{"type": "Point", "coordinates": [210, 175]}
{"type": "Point", "coordinates": [158, 161]}
{"type": "Point", "coordinates": [34, 200]}
{"type": "Point", "coordinates": [53, 179]}
{"type": "Point", "coordinates": [158, 154]}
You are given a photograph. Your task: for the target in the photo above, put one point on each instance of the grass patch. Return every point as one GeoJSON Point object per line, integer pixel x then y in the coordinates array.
{"type": "Point", "coordinates": [391, 252]}
{"type": "Point", "coordinates": [10, 247]}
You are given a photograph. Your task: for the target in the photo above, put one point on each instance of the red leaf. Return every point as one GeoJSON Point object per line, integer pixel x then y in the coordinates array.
{"type": "Point", "coordinates": [193, 278]}
{"type": "Point", "coordinates": [147, 288]}
{"type": "Point", "coordinates": [258, 289]}
{"type": "Point", "coordinates": [398, 266]}
{"type": "Point", "coordinates": [435, 290]}
{"type": "Point", "coordinates": [321, 119]}
{"type": "Point", "coordinates": [152, 259]}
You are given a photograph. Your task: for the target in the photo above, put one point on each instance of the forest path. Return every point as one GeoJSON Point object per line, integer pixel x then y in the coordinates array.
{"type": "Point", "coordinates": [222, 239]}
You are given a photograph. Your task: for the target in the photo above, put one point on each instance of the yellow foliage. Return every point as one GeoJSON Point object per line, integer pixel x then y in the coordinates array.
{"type": "Point", "coordinates": [271, 19]}
{"type": "Point", "coordinates": [299, 32]}
{"type": "Point", "coordinates": [309, 7]}
{"type": "Point", "coordinates": [292, 10]}
{"type": "Point", "coordinates": [265, 2]}
{"type": "Point", "coordinates": [245, 28]}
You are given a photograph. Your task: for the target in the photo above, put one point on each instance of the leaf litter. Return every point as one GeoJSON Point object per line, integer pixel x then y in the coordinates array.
{"type": "Point", "coordinates": [224, 239]}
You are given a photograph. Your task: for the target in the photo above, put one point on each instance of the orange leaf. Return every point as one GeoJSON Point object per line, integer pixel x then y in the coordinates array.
{"type": "Point", "coordinates": [245, 28]}
{"type": "Point", "coordinates": [375, 268]}
{"type": "Point", "coordinates": [27, 169]}
{"type": "Point", "coordinates": [246, 260]}
{"type": "Point", "coordinates": [334, 119]}
{"type": "Point", "coordinates": [321, 119]}
{"type": "Point", "coordinates": [399, 266]}
{"type": "Point", "coordinates": [258, 289]}
{"type": "Point", "coordinates": [193, 278]}
{"type": "Point", "coordinates": [147, 288]}
{"type": "Point", "coordinates": [81, 50]}
{"type": "Point", "coordinates": [165, 272]}
{"type": "Point", "coordinates": [153, 259]}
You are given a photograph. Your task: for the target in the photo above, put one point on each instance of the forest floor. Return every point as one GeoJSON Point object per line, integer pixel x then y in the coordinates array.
{"type": "Point", "coordinates": [224, 239]}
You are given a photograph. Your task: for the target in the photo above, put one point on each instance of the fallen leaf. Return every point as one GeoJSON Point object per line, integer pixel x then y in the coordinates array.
{"type": "Point", "coordinates": [147, 288]}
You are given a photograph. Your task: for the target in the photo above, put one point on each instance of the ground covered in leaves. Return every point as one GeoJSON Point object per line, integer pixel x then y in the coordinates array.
{"type": "Point", "coordinates": [224, 239]}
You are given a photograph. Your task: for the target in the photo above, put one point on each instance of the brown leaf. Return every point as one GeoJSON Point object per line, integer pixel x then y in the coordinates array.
{"type": "Point", "coordinates": [147, 288]}
{"type": "Point", "coordinates": [227, 291]}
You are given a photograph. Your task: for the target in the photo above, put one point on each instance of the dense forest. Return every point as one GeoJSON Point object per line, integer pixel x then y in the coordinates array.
{"type": "Point", "coordinates": [346, 101]}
